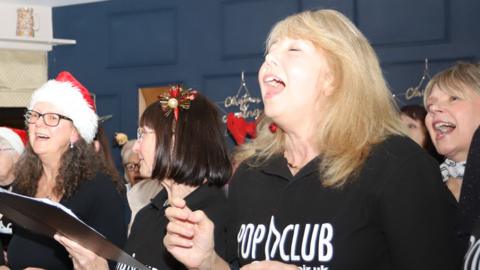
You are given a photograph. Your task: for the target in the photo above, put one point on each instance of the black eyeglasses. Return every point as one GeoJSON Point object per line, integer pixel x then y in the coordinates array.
{"type": "Point", "coordinates": [132, 167]}
{"type": "Point", "coordinates": [50, 119]}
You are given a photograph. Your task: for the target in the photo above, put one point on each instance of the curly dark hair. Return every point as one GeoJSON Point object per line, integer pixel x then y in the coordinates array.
{"type": "Point", "coordinates": [80, 163]}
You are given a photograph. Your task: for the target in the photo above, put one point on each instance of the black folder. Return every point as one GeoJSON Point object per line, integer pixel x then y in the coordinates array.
{"type": "Point", "coordinates": [45, 217]}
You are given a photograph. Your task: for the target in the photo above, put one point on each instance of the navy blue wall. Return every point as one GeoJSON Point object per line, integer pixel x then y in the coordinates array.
{"type": "Point", "coordinates": [123, 45]}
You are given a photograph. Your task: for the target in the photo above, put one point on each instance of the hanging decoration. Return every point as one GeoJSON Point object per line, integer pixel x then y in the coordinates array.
{"type": "Point", "coordinates": [239, 128]}
{"type": "Point", "coordinates": [237, 125]}
{"type": "Point", "coordinates": [418, 90]}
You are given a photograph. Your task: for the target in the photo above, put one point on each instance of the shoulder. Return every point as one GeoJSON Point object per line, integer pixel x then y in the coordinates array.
{"type": "Point", "coordinates": [211, 199]}
{"type": "Point", "coordinates": [397, 147]}
{"type": "Point", "coordinates": [398, 162]}
{"type": "Point", "coordinates": [399, 151]}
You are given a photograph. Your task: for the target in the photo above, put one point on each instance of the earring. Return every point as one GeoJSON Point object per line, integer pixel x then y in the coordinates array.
{"type": "Point", "coordinates": [273, 127]}
{"type": "Point", "coordinates": [71, 145]}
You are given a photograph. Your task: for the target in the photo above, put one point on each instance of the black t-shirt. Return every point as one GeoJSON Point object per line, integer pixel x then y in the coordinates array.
{"type": "Point", "coordinates": [96, 202]}
{"type": "Point", "coordinates": [5, 228]}
{"type": "Point", "coordinates": [145, 241]}
{"type": "Point", "coordinates": [472, 257]}
{"type": "Point", "coordinates": [469, 217]}
{"type": "Point", "coordinates": [396, 214]}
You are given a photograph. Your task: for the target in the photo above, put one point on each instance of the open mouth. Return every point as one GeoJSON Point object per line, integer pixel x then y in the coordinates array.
{"type": "Point", "coordinates": [443, 128]}
{"type": "Point", "coordinates": [272, 85]}
{"type": "Point", "coordinates": [41, 136]}
{"type": "Point", "coordinates": [274, 81]}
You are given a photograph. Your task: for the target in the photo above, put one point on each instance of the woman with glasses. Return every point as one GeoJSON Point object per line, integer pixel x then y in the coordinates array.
{"type": "Point", "coordinates": [140, 189]}
{"type": "Point", "coordinates": [130, 163]}
{"type": "Point", "coordinates": [180, 143]}
{"type": "Point", "coordinates": [61, 164]}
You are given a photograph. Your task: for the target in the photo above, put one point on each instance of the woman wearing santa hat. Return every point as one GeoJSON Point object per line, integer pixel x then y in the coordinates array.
{"type": "Point", "coordinates": [61, 164]}
{"type": "Point", "coordinates": [12, 143]}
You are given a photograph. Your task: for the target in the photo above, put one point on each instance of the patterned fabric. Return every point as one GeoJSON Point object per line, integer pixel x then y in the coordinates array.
{"type": "Point", "coordinates": [452, 169]}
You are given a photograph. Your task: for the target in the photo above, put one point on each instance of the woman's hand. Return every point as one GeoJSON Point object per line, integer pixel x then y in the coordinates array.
{"type": "Point", "coordinates": [82, 258]}
{"type": "Point", "coordinates": [269, 265]}
{"type": "Point", "coordinates": [189, 237]}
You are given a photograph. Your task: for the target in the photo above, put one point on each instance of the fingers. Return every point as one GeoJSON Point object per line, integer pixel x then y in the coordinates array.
{"type": "Point", "coordinates": [198, 217]}
{"type": "Point", "coordinates": [172, 240]}
{"type": "Point", "coordinates": [67, 243]}
{"type": "Point", "coordinates": [177, 202]}
{"type": "Point", "coordinates": [269, 265]}
{"type": "Point", "coordinates": [184, 229]}
{"type": "Point", "coordinates": [176, 213]}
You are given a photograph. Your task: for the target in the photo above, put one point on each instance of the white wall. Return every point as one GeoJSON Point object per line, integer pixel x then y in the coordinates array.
{"type": "Point", "coordinates": [8, 20]}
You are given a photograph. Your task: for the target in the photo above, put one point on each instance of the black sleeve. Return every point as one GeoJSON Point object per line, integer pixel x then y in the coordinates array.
{"type": "Point", "coordinates": [417, 215]}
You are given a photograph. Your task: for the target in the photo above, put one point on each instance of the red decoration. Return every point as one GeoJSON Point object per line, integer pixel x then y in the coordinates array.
{"type": "Point", "coordinates": [273, 127]}
{"type": "Point", "coordinates": [176, 97]}
{"type": "Point", "coordinates": [239, 128]}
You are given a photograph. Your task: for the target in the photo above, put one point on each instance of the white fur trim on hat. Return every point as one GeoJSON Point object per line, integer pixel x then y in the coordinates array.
{"type": "Point", "coordinates": [68, 99]}
{"type": "Point", "coordinates": [13, 139]}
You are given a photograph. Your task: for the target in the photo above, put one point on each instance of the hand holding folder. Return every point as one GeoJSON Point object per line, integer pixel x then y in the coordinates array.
{"type": "Point", "coordinates": [48, 218]}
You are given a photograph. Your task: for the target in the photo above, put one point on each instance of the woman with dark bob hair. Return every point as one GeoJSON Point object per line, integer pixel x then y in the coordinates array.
{"type": "Point", "coordinates": [60, 164]}
{"type": "Point", "coordinates": [180, 143]}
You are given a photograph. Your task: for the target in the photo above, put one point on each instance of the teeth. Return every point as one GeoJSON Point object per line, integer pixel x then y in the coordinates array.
{"type": "Point", "coordinates": [274, 81]}
{"type": "Point", "coordinates": [444, 127]}
{"type": "Point", "coordinates": [42, 136]}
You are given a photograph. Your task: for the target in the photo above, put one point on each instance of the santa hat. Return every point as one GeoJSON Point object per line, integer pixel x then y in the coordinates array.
{"type": "Point", "coordinates": [17, 138]}
{"type": "Point", "coordinates": [73, 100]}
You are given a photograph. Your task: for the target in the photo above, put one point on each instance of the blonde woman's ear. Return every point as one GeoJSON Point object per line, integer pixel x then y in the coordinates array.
{"type": "Point", "coordinates": [328, 84]}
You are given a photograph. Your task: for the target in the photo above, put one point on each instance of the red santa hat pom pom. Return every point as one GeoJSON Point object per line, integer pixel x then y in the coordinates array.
{"type": "Point", "coordinates": [73, 100]}
{"type": "Point", "coordinates": [17, 138]}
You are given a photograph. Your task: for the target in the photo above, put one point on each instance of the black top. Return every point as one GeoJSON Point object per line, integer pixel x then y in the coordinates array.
{"type": "Point", "coordinates": [96, 202]}
{"type": "Point", "coordinates": [395, 215]}
{"type": "Point", "coordinates": [5, 229]}
{"type": "Point", "coordinates": [145, 241]}
{"type": "Point", "coordinates": [470, 204]}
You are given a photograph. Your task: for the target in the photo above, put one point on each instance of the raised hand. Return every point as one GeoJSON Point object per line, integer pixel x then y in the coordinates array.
{"type": "Point", "coordinates": [189, 237]}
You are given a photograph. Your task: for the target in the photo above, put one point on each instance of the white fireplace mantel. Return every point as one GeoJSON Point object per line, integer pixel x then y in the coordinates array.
{"type": "Point", "coordinates": [32, 44]}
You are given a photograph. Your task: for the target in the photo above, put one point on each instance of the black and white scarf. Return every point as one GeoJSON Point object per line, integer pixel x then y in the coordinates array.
{"type": "Point", "coordinates": [452, 169]}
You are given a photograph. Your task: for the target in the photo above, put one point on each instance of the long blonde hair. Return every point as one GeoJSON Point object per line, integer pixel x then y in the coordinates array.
{"type": "Point", "coordinates": [361, 112]}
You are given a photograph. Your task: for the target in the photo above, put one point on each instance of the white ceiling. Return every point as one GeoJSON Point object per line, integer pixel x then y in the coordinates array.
{"type": "Point", "coordinates": [50, 3]}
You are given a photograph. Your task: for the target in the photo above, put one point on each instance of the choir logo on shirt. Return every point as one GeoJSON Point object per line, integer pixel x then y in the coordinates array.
{"type": "Point", "coordinates": [307, 243]}
{"type": "Point", "coordinates": [472, 258]}
{"type": "Point", "coordinates": [5, 227]}
{"type": "Point", "coordinates": [122, 266]}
